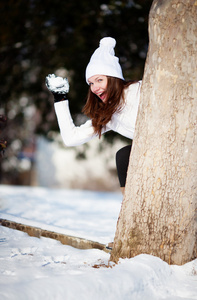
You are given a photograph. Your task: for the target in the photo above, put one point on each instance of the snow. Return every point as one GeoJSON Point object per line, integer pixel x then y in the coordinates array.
{"type": "Point", "coordinates": [32, 268]}
{"type": "Point", "coordinates": [57, 84]}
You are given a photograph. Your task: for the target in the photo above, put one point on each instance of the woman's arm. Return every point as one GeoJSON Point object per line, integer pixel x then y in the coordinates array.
{"type": "Point", "coordinates": [72, 135]}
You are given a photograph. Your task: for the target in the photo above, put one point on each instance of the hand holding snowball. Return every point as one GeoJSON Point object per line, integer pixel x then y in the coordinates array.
{"type": "Point", "coordinates": [58, 86]}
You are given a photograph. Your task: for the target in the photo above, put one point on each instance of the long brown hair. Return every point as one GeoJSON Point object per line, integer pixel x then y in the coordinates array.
{"type": "Point", "coordinates": [101, 113]}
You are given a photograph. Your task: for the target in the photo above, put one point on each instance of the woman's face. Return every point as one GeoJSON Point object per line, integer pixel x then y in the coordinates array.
{"type": "Point", "coordinates": [98, 86]}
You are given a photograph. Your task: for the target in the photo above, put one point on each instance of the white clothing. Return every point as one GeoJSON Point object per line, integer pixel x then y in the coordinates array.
{"type": "Point", "coordinates": [122, 122]}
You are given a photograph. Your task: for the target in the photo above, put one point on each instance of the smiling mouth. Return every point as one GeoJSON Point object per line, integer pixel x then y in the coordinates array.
{"type": "Point", "coordinates": [102, 96]}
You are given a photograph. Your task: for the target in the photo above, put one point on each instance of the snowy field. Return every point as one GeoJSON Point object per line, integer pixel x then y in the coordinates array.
{"type": "Point", "coordinates": [32, 268]}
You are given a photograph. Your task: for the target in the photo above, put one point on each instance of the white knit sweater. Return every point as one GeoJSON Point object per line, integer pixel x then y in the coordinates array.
{"type": "Point", "coordinates": [122, 122]}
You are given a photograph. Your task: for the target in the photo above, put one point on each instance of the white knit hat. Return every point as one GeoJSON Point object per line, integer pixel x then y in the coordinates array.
{"type": "Point", "coordinates": [103, 61]}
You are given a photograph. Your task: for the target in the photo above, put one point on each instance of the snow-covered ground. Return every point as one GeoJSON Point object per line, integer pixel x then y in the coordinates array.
{"type": "Point", "coordinates": [32, 268]}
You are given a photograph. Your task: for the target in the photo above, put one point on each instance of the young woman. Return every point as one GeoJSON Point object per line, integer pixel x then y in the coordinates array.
{"type": "Point", "coordinates": [112, 104]}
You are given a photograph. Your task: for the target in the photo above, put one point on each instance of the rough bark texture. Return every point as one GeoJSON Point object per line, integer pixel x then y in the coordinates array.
{"type": "Point", "coordinates": [159, 210]}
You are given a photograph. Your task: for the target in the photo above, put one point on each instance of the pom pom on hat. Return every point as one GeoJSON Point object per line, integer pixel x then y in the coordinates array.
{"type": "Point", "coordinates": [108, 41]}
{"type": "Point", "coordinates": [103, 61]}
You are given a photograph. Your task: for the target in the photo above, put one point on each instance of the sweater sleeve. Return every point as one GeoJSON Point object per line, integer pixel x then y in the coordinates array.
{"type": "Point", "coordinates": [72, 135]}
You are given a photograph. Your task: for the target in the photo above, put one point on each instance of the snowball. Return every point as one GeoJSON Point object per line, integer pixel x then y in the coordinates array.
{"type": "Point", "coordinates": [57, 84]}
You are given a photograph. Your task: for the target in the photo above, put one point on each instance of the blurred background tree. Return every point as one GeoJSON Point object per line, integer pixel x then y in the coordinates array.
{"type": "Point", "coordinates": [42, 37]}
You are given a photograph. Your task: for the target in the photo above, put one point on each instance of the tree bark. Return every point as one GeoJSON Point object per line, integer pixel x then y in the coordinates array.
{"type": "Point", "coordinates": [159, 210]}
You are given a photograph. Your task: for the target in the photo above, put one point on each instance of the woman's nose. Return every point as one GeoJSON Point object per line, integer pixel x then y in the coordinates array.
{"type": "Point", "coordinates": [95, 88]}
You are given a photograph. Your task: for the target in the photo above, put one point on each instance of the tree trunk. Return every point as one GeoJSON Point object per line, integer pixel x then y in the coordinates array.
{"type": "Point", "coordinates": [159, 210]}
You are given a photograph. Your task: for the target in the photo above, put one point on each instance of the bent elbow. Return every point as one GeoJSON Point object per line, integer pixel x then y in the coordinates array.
{"type": "Point", "coordinates": [70, 142]}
